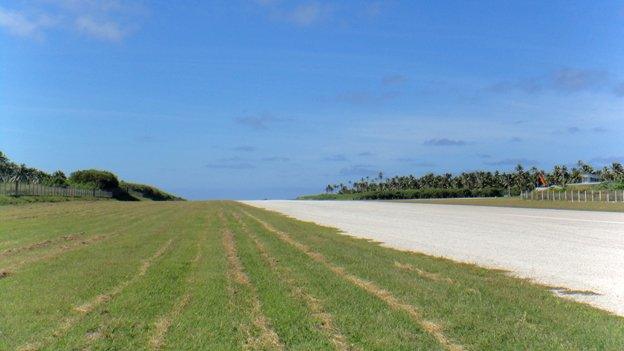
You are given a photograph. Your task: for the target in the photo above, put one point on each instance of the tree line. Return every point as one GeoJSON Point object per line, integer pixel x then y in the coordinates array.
{"type": "Point", "coordinates": [518, 180]}
{"type": "Point", "coordinates": [12, 172]}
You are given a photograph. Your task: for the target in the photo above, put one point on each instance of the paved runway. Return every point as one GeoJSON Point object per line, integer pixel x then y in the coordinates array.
{"type": "Point", "coordinates": [579, 250]}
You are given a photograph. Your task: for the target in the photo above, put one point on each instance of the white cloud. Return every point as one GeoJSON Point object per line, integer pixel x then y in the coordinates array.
{"type": "Point", "coordinates": [105, 20]}
{"type": "Point", "coordinates": [302, 15]}
{"type": "Point", "coordinates": [305, 15]}
{"type": "Point", "coordinates": [105, 30]}
{"type": "Point", "coordinates": [19, 24]}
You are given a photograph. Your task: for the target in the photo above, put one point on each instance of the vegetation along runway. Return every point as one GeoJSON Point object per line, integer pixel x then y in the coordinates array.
{"type": "Point", "coordinates": [223, 276]}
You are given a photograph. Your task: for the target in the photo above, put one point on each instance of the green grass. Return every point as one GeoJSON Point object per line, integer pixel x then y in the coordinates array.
{"type": "Point", "coordinates": [517, 202]}
{"type": "Point", "coordinates": [223, 276]}
{"type": "Point", "coordinates": [17, 200]}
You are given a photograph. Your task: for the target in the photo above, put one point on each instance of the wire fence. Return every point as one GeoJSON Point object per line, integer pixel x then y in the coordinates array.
{"type": "Point", "coordinates": [575, 195]}
{"type": "Point", "coordinates": [31, 189]}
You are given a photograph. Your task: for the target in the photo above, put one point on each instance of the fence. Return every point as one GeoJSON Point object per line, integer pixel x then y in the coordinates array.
{"type": "Point", "coordinates": [575, 195]}
{"type": "Point", "coordinates": [31, 189]}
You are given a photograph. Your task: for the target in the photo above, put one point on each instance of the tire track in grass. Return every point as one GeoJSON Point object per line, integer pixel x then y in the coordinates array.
{"type": "Point", "coordinates": [436, 277]}
{"type": "Point", "coordinates": [40, 244]}
{"type": "Point", "coordinates": [430, 327]}
{"type": "Point", "coordinates": [267, 338]}
{"type": "Point", "coordinates": [88, 307]}
{"type": "Point", "coordinates": [63, 249]}
{"type": "Point", "coordinates": [57, 225]}
{"type": "Point", "coordinates": [314, 305]}
{"type": "Point", "coordinates": [60, 240]}
{"type": "Point", "coordinates": [163, 323]}
{"type": "Point", "coordinates": [11, 269]}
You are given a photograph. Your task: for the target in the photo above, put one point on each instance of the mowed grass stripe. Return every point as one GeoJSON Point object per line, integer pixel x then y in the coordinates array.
{"type": "Point", "coordinates": [49, 252]}
{"type": "Point", "coordinates": [163, 323]}
{"type": "Point", "coordinates": [130, 321]}
{"type": "Point", "coordinates": [68, 323]}
{"type": "Point", "coordinates": [259, 335]}
{"type": "Point", "coordinates": [13, 259]}
{"type": "Point", "coordinates": [50, 231]}
{"type": "Point", "coordinates": [430, 327]}
{"type": "Point", "coordinates": [55, 287]}
{"type": "Point", "coordinates": [366, 321]}
{"type": "Point", "coordinates": [17, 237]}
{"type": "Point", "coordinates": [52, 226]}
{"type": "Point", "coordinates": [527, 315]}
{"type": "Point", "coordinates": [211, 320]}
{"type": "Point", "coordinates": [325, 321]}
{"type": "Point", "coordinates": [289, 315]}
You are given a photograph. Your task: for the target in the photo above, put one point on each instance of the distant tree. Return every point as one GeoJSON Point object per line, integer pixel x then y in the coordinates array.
{"type": "Point", "coordinates": [20, 174]}
{"type": "Point", "coordinates": [95, 178]}
{"type": "Point", "coordinates": [584, 167]}
{"type": "Point", "coordinates": [57, 178]}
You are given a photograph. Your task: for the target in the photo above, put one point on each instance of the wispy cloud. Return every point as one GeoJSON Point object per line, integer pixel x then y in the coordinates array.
{"type": "Point", "coordinates": [573, 130]}
{"type": "Point", "coordinates": [358, 171]}
{"type": "Point", "coordinates": [564, 80]}
{"type": "Point", "coordinates": [394, 79]}
{"type": "Point", "coordinates": [301, 15]}
{"type": "Point", "coordinates": [484, 156]}
{"type": "Point", "coordinates": [20, 24]}
{"type": "Point", "coordinates": [516, 139]}
{"type": "Point", "coordinates": [603, 161]}
{"type": "Point", "coordinates": [335, 158]}
{"type": "Point", "coordinates": [276, 159]}
{"type": "Point", "coordinates": [307, 14]}
{"type": "Point", "coordinates": [512, 162]}
{"type": "Point", "coordinates": [258, 122]}
{"type": "Point", "coordinates": [230, 163]}
{"type": "Point", "coordinates": [106, 20]}
{"type": "Point", "coordinates": [445, 142]}
{"type": "Point", "coordinates": [100, 29]}
{"type": "Point", "coordinates": [599, 130]}
{"type": "Point", "coordinates": [314, 12]}
{"type": "Point", "coordinates": [365, 154]}
{"type": "Point", "coordinates": [578, 130]}
{"type": "Point", "coordinates": [244, 148]}
{"type": "Point", "coordinates": [239, 165]}
{"type": "Point", "coordinates": [415, 162]}
{"type": "Point", "coordinates": [365, 97]}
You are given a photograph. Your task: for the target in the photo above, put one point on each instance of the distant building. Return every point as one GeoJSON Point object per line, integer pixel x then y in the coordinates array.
{"type": "Point", "coordinates": [588, 178]}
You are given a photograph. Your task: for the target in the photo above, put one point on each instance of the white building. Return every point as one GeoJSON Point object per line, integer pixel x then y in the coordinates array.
{"type": "Point", "coordinates": [588, 178]}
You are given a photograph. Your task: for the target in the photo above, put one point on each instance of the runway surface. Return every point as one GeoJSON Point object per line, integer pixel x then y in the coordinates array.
{"type": "Point", "coordinates": [578, 250]}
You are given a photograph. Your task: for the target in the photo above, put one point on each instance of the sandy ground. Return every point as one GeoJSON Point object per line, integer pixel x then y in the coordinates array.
{"type": "Point", "coordinates": [579, 250]}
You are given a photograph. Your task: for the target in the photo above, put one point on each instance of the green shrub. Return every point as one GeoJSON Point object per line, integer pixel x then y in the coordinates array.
{"type": "Point", "coordinates": [94, 178]}
{"type": "Point", "coordinates": [427, 193]}
{"type": "Point", "coordinates": [149, 192]}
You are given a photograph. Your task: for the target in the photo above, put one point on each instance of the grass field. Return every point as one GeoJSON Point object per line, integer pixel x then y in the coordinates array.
{"type": "Point", "coordinates": [517, 202]}
{"type": "Point", "coordinates": [224, 276]}
{"type": "Point", "coordinates": [18, 200]}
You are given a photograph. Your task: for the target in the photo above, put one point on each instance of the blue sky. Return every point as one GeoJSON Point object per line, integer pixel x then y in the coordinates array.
{"type": "Point", "coordinates": [272, 99]}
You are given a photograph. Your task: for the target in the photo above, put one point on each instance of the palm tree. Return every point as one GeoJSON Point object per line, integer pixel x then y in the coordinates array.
{"type": "Point", "coordinates": [617, 170]}
{"type": "Point", "coordinates": [20, 174]}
